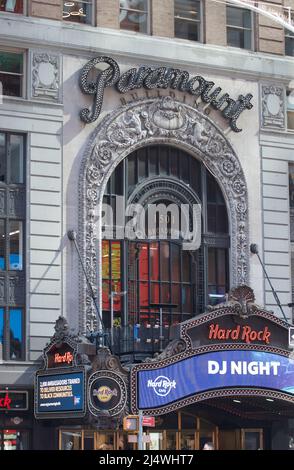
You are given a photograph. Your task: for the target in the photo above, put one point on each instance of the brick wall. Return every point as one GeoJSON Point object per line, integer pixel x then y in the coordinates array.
{"type": "Point", "coordinates": [162, 18]}
{"type": "Point", "coordinates": [51, 9]}
{"type": "Point", "coordinates": [215, 23]}
{"type": "Point", "coordinates": [107, 13]}
{"type": "Point", "coordinates": [270, 35]}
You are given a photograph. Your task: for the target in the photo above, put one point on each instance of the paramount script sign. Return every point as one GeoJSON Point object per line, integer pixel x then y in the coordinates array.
{"type": "Point", "coordinates": [161, 78]}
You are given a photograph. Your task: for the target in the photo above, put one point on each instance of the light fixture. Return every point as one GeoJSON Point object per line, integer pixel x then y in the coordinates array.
{"type": "Point", "coordinates": [236, 401]}
{"type": "Point", "coordinates": [269, 399]}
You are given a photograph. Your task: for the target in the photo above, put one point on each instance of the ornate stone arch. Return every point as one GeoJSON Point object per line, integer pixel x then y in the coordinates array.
{"type": "Point", "coordinates": [156, 121]}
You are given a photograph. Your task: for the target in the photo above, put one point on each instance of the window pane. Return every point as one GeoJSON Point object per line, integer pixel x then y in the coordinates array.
{"type": "Point", "coordinates": [16, 159]}
{"type": "Point", "coordinates": [1, 327]}
{"type": "Point", "coordinates": [144, 298]}
{"type": "Point", "coordinates": [117, 299]}
{"type": "Point", "coordinates": [132, 170]}
{"type": "Point", "coordinates": [175, 265]}
{"type": "Point", "coordinates": [154, 262]}
{"type": "Point", "coordinates": [289, 46]}
{"type": "Point", "coordinates": [142, 165]}
{"type": "Point", "coordinates": [165, 293]}
{"type": "Point", "coordinates": [176, 297]}
{"type": "Point", "coordinates": [164, 261]}
{"type": "Point", "coordinates": [15, 323]}
{"type": "Point", "coordinates": [15, 245]}
{"type": "Point", "coordinates": [186, 300]}
{"type": "Point", "coordinates": [115, 260]}
{"type": "Point", "coordinates": [211, 266]}
{"type": "Point", "coordinates": [11, 62]}
{"type": "Point", "coordinates": [187, 30]}
{"type": "Point", "coordinates": [187, 9]}
{"type": "Point", "coordinates": [12, 6]}
{"type": "Point", "coordinates": [134, 15]}
{"type": "Point", "coordinates": [153, 170]}
{"type": "Point", "coordinates": [77, 11]}
{"type": "Point", "coordinates": [2, 245]}
{"type": "Point", "coordinates": [187, 19]}
{"type": "Point", "coordinates": [163, 160]}
{"type": "Point", "coordinates": [221, 266]}
{"type": "Point", "coordinates": [11, 85]}
{"type": "Point", "coordinates": [105, 295]}
{"type": "Point", "coordinates": [2, 156]}
{"type": "Point", "coordinates": [154, 293]}
{"type": "Point", "coordinates": [185, 266]}
{"type": "Point", "coordinates": [105, 259]}
{"type": "Point", "coordinates": [143, 262]}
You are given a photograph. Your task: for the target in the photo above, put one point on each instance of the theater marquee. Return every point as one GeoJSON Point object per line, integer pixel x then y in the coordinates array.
{"type": "Point", "coordinates": [236, 348]}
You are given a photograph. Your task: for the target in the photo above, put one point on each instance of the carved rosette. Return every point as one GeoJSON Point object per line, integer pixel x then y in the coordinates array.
{"type": "Point", "coordinates": [149, 122]}
{"type": "Point", "coordinates": [273, 106]}
{"type": "Point", "coordinates": [45, 72]}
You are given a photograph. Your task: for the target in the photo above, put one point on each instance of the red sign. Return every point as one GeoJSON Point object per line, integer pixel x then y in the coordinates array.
{"type": "Point", "coordinates": [67, 357]}
{"type": "Point", "coordinates": [5, 402]}
{"type": "Point", "coordinates": [148, 421]}
{"type": "Point", "coordinates": [241, 333]}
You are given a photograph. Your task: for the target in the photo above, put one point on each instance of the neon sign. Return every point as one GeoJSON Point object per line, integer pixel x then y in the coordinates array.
{"type": "Point", "coordinates": [241, 333]}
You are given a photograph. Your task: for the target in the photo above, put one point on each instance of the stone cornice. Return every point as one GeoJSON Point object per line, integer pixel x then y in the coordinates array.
{"type": "Point", "coordinates": [21, 31]}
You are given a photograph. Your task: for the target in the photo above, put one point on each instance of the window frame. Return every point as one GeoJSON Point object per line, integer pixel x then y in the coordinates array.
{"type": "Point", "coordinates": [149, 19]}
{"type": "Point", "coordinates": [23, 95]}
{"type": "Point", "coordinates": [93, 21]}
{"type": "Point", "coordinates": [7, 274]}
{"type": "Point", "coordinates": [24, 12]}
{"type": "Point", "coordinates": [289, 35]}
{"type": "Point", "coordinates": [241, 28]}
{"type": "Point", "coordinates": [201, 22]}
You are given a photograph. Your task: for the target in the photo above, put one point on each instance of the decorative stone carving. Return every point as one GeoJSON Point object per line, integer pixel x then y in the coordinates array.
{"type": "Point", "coordinates": [45, 76]}
{"type": "Point", "coordinates": [151, 122]}
{"type": "Point", "coordinates": [273, 106]}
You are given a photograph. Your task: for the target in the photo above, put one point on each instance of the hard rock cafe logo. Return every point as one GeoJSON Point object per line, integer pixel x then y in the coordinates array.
{"type": "Point", "coordinates": [5, 402]}
{"type": "Point", "coordinates": [162, 385]}
{"type": "Point", "coordinates": [66, 357]}
{"type": "Point", "coordinates": [104, 393]}
{"type": "Point", "coordinates": [241, 333]}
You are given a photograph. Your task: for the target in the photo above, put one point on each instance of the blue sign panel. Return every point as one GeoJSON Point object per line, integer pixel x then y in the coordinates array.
{"type": "Point", "coordinates": [60, 393]}
{"type": "Point", "coordinates": [214, 370]}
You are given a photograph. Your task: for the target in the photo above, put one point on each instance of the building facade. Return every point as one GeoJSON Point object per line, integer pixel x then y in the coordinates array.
{"type": "Point", "coordinates": [136, 102]}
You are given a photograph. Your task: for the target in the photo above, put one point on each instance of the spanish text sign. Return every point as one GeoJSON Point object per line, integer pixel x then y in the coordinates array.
{"type": "Point", "coordinates": [60, 393]}
{"type": "Point", "coordinates": [214, 370]}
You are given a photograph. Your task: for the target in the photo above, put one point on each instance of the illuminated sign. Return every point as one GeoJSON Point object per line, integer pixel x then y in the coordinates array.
{"type": "Point", "coordinates": [214, 370]}
{"type": "Point", "coordinates": [152, 78]}
{"type": "Point", "coordinates": [11, 400]}
{"type": "Point", "coordinates": [241, 333]}
{"type": "Point", "coordinates": [60, 394]}
{"type": "Point", "coordinates": [60, 355]}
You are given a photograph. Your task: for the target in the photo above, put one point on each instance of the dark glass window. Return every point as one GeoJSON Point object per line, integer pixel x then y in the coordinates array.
{"type": "Point", "coordinates": [188, 19]}
{"type": "Point", "coordinates": [156, 271]}
{"type": "Point", "coordinates": [78, 11]}
{"type": "Point", "coordinates": [239, 27]}
{"type": "Point", "coordinates": [134, 15]}
{"type": "Point", "coordinates": [12, 6]}
{"type": "Point", "coordinates": [11, 73]}
{"type": "Point", "coordinates": [12, 251]}
{"type": "Point", "coordinates": [289, 41]}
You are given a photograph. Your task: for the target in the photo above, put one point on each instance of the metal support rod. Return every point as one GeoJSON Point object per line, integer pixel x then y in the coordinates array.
{"type": "Point", "coordinates": [73, 237]}
{"type": "Point", "coordinates": [140, 434]}
{"type": "Point", "coordinates": [254, 250]}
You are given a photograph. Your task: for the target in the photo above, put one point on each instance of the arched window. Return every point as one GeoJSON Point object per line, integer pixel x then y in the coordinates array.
{"type": "Point", "coordinates": [141, 274]}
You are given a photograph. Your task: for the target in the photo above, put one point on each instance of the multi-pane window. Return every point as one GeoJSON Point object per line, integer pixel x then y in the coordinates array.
{"type": "Point", "coordinates": [78, 11]}
{"type": "Point", "coordinates": [11, 73]}
{"type": "Point", "coordinates": [134, 15]}
{"type": "Point", "coordinates": [12, 6]}
{"type": "Point", "coordinates": [188, 19]}
{"type": "Point", "coordinates": [239, 27]}
{"type": "Point", "coordinates": [12, 223]}
{"type": "Point", "coordinates": [153, 271]}
{"type": "Point", "coordinates": [289, 41]}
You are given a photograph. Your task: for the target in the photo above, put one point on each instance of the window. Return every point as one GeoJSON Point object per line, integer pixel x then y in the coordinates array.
{"type": "Point", "coordinates": [188, 19]}
{"type": "Point", "coordinates": [152, 270]}
{"type": "Point", "coordinates": [289, 41]}
{"type": "Point", "coordinates": [11, 73]}
{"type": "Point", "coordinates": [12, 6]}
{"type": "Point", "coordinates": [134, 15]}
{"type": "Point", "coordinates": [239, 28]}
{"type": "Point", "coordinates": [12, 222]}
{"type": "Point", "coordinates": [78, 12]}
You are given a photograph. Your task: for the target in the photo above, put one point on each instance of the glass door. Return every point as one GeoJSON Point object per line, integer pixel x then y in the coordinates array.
{"type": "Point", "coordinates": [252, 439]}
{"type": "Point", "coordinates": [70, 440]}
{"type": "Point", "coordinates": [105, 440]}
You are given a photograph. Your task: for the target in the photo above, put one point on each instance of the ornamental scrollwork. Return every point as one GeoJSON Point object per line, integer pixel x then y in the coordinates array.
{"type": "Point", "coordinates": [151, 122]}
